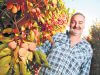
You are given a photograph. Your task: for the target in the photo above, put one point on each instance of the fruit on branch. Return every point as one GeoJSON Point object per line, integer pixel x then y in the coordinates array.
{"type": "Point", "coordinates": [32, 47]}
{"type": "Point", "coordinates": [14, 9]}
{"type": "Point", "coordinates": [12, 45]}
{"type": "Point", "coordinates": [24, 45]}
{"type": "Point", "coordinates": [9, 5]}
{"type": "Point", "coordinates": [23, 52]}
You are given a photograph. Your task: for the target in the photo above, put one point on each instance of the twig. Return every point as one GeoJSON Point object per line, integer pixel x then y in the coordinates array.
{"type": "Point", "coordinates": [8, 16]}
{"type": "Point", "coordinates": [16, 23]}
{"type": "Point", "coordinates": [20, 20]}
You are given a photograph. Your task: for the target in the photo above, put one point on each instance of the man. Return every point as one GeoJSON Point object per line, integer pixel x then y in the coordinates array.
{"type": "Point", "coordinates": [70, 54]}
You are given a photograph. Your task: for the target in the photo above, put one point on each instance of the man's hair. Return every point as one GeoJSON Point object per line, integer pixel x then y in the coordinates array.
{"type": "Point", "coordinates": [78, 13]}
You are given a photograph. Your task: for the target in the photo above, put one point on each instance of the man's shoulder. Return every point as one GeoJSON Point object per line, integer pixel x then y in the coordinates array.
{"type": "Point", "coordinates": [60, 36]}
{"type": "Point", "coordinates": [87, 43]}
{"type": "Point", "coordinates": [87, 46]}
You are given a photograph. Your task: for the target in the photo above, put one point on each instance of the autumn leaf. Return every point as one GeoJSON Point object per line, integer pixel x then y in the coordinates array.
{"type": "Point", "coordinates": [2, 46]}
{"type": "Point", "coordinates": [30, 56]}
{"type": "Point", "coordinates": [20, 1]}
{"type": "Point", "coordinates": [4, 69]}
{"type": "Point", "coordinates": [7, 30]}
{"type": "Point", "coordinates": [1, 36]}
{"type": "Point", "coordinates": [32, 36]}
{"type": "Point", "coordinates": [6, 40]}
{"type": "Point", "coordinates": [23, 7]}
{"type": "Point", "coordinates": [16, 53]}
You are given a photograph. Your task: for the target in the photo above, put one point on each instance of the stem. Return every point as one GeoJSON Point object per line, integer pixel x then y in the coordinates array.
{"type": "Point", "coordinates": [20, 19]}
{"type": "Point", "coordinates": [16, 23]}
{"type": "Point", "coordinates": [8, 16]}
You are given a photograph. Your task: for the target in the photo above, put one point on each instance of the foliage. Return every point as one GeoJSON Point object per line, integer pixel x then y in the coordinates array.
{"type": "Point", "coordinates": [95, 42]}
{"type": "Point", "coordinates": [95, 36]}
{"type": "Point", "coordinates": [25, 24]}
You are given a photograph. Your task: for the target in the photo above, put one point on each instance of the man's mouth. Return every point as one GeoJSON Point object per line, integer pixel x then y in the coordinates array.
{"type": "Point", "coordinates": [78, 28]}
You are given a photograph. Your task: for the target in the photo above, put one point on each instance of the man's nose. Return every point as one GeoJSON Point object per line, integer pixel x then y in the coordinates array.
{"type": "Point", "coordinates": [76, 25]}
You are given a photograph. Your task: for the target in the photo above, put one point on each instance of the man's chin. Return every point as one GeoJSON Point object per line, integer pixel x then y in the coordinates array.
{"type": "Point", "coordinates": [75, 33]}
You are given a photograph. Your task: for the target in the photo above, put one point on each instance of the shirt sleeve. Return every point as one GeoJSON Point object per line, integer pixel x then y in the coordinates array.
{"type": "Point", "coordinates": [47, 45]}
{"type": "Point", "coordinates": [45, 48]}
{"type": "Point", "coordinates": [85, 69]}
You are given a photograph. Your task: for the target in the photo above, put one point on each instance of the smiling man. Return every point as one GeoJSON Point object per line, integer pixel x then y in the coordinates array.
{"type": "Point", "coordinates": [70, 54]}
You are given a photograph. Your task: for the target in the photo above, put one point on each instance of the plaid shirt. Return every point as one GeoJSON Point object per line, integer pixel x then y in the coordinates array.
{"type": "Point", "coordinates": [64, 59]}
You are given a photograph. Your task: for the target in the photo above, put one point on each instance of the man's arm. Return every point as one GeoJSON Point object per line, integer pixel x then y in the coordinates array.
{"type": "Point", "coordinates": [47, 45]}
{"type": "Point", "coordinates": [85, 69]}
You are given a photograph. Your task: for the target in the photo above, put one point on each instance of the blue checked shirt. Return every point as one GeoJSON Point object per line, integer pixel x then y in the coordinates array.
{"type": "Point", "coordinates": [64, 59]}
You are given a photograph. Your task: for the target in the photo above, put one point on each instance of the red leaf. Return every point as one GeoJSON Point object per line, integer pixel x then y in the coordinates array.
{"type": "Point", "coordinates": [20, 1]}
{"type": "Point", "coordinates": [15, 30]}
{"type": "Point", "coordinates": [9, 5]}
{"type": "Point", "coordinates": [23, 7]}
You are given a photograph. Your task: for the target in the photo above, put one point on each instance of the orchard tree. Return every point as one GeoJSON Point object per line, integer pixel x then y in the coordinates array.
{"type": "Point", "coordinates": [24, 25]}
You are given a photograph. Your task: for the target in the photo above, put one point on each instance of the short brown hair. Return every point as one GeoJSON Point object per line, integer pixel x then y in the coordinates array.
{"type": "Point", "coordinates": [78, 13]}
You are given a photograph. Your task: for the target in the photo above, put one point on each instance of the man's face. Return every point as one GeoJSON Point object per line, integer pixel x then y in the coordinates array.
{"type": "Point", "coordinates": [77, 25]}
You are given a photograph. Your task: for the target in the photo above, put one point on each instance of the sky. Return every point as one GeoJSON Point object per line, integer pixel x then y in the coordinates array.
{"type": "Point", "coordinates": [90, 8]}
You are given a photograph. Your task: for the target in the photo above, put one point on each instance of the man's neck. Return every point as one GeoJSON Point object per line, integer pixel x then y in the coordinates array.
{"type": "Point", "coordinates": [74, 39]}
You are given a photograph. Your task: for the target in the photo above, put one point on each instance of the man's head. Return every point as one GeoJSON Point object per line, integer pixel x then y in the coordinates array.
{"type": "Point", "coordinates": [77, 24]}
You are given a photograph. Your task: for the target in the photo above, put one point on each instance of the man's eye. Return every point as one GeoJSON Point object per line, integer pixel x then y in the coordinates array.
{"type": "Point", "coordinates": [80, 22]}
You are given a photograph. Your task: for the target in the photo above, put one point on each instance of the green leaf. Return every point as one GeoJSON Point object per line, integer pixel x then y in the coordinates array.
{"type": "Point", "coordinates": [30, 56]}
{"type": "Point", "coordinates": [16, 69]}
{"type": "Point", "coordinates": [43, 58]}
{"type": "Point", "coordinates": [4, 69]}
{"type": "Point", "coordinates": [32, 35]}
{"type": "Point", "coordinates": [42, 20]}
{"type": "Point", "coordinates": [8, 30]}
{"type": "Point", "coordinates": [6, 39]}
{"type": "Point", "coordinates": [1, 1]}
{"type": "Point", "coordinates": [5, 52]}
{"type": "Point", "coordinates": [5, 60]}
{"type": "Point", "coordinates": [23, 68]}
{"type": "Point", "coordinates": [37, 58]}
{"type": "Point", "coordinates": [2, 46]}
